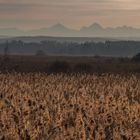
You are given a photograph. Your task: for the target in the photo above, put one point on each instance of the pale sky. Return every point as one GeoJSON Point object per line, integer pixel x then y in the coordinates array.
{"type": "Point", "coordinates": [31, 14]}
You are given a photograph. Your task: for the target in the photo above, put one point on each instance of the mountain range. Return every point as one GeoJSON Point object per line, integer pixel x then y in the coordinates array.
{"type": "Point", "coordinates": [60, 30]}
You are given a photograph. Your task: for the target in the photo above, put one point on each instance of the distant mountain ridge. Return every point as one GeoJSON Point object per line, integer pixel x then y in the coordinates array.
{"type": "Point", "coordinates": [60, 30]}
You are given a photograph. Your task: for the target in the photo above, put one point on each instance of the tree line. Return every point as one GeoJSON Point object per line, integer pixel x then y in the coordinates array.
{"type": "Point", "coordinates": [108, 48]}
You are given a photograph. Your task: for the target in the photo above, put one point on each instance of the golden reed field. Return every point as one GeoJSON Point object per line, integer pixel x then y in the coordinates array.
{"type": "Point", "coordinates": [69, 107]}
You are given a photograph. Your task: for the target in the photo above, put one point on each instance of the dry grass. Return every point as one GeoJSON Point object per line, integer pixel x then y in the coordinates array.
{"type": "Point", "coordinates": [74, 107]}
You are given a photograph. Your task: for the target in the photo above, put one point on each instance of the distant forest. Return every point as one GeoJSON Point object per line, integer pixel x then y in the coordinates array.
{"type": "Point", "coordinates": [108, 48]}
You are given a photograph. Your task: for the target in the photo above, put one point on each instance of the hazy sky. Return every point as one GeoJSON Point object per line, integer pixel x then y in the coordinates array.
{"type": "Point", "coordinates": [30, 14]}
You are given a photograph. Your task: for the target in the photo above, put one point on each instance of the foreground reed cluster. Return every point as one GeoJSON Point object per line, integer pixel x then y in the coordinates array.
{"type": "Point", "coordinates": [69, 107]}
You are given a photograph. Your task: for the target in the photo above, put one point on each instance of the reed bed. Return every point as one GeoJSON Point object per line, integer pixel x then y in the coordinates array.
{"type": "Point", "coordinates": [69, 107]}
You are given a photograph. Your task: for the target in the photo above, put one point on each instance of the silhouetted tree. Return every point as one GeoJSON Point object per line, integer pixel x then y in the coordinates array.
{"type": "Point", "coordinates": [136, 58]}
{"type": "Point", "coordinates": [6, 49]}
{"type": "Point", "coordinates": [40, 53]}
